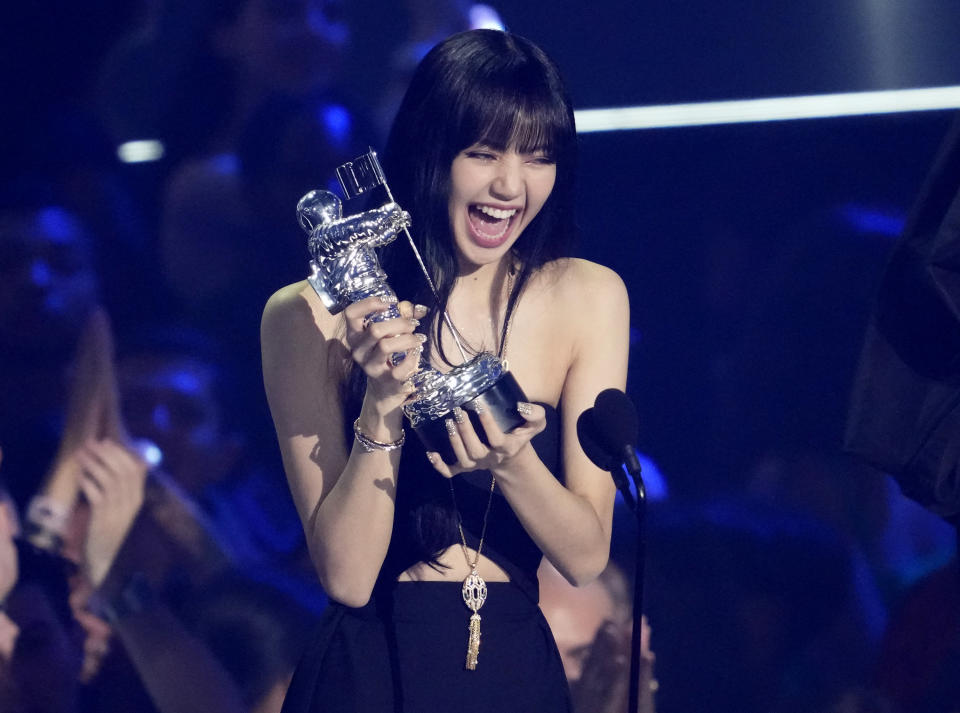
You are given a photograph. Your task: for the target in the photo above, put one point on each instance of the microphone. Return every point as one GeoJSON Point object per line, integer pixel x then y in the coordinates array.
{"type": "Point", "coordinates": [618, 427]}
{"type": "Point", "coordinates": [590, 442]}
{"type": "Point", "coordinates": [607, 431]}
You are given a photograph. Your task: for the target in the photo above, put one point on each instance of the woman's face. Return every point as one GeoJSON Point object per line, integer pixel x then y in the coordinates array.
{"type": "Point", "coordinates": [494, 194]}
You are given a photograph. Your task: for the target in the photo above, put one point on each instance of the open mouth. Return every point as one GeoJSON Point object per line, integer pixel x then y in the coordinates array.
{"type": "Point", "coordinates": [491, 226]}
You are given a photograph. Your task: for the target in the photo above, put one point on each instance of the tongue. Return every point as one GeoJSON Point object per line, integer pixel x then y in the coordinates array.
{"type": "Point", "coordinates": [487, 224]}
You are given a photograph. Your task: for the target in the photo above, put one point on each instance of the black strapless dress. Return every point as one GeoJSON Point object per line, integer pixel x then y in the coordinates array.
{"type": "Point", "coordinates": [406, 649]}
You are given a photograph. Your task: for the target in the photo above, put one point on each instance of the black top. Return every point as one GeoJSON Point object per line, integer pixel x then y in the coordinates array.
{"type": "Point", "coordinates": [425, 524]}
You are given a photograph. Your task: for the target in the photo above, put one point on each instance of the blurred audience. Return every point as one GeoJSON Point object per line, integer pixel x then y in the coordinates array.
{"type": "Point", "coordinates": [178, 391]}
{"type": "Point", "coordinates": [258, 630]}
{"type": "Point", "coordinates": [228, 233]}
{"type": "Point", "coordinates": [919, 659]}
{"type": "Point", "coordinates": [727, 583]}
{"type": "Point", "coordinates": [191, 74]}
{"type": "Point", "coordinates": [592, 626]}
{"type": "Point", "coordinates": [48, 288]}
{"type": "Point", "coordinates": [428, 22]}
{"type": "Point", "coordinates": [81, 581]}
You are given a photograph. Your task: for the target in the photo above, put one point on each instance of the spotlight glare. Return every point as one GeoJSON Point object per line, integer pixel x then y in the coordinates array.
{"type": "Point", "coordinates": [140, 151]}
{"type": "Point", "coordinates": [817, 106]}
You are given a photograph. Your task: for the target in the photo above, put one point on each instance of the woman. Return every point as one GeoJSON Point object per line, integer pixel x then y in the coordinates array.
{"type": "Point", "coordinates": [482, 155]}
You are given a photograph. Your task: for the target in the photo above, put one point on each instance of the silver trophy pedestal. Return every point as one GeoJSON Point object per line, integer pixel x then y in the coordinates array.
{"type": "Point", "coordinates": [482, 382]}
{"type": "Point", "coordinates": [345, 268]}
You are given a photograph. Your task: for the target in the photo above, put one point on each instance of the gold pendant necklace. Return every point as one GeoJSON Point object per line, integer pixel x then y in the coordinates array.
{"type": "Point", "coordinates": [474, 587]}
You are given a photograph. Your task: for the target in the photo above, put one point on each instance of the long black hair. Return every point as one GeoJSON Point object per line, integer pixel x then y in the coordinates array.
{"type": "Point", "coordinates": [481, 86]}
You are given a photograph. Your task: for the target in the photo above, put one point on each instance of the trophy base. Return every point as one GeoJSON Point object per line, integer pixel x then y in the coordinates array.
{"type": "Point", "coordinates": [500, 400]}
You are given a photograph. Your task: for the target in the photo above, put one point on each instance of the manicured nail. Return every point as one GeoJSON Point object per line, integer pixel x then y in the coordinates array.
{"type": "Point", "coordinates": [474, 406]}
{"type": "Point", "coordinates": [422, 337]}
{"type": "Point", "coordinates": [450, 425]}
{"type": "Point", "coordinates": [458, 415]}
{"type": "Point", "coordinates": [524, 409]}
{"type": "Point", "coordinates": [420, 310]}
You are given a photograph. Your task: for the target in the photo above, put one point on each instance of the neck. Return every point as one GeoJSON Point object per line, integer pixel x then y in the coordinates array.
{"type": "Point", "coordinates": [483, 285]}
{"type": "Point", "coordinates": [477, 304]}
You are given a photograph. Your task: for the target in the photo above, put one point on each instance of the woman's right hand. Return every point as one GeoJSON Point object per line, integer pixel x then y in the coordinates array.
{"type": "Point", "coordinates": [372, 343]}
{"type": "Point", "coordinates": [112, 479]}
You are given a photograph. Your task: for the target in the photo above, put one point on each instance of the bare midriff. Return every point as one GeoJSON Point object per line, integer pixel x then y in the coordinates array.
{"type": "Point", "coordinates": [454, 569]}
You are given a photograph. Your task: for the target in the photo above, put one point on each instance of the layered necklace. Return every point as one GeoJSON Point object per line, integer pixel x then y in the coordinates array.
{"type": "Point", "coordinates": [474, 588]}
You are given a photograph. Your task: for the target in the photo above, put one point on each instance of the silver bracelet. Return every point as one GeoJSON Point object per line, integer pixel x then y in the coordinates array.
{"type": "Point", "coordinates": [369, 445]}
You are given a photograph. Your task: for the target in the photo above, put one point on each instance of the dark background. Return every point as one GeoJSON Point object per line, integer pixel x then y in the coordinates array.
{"type": "Point", "coordinates": [751, 252]}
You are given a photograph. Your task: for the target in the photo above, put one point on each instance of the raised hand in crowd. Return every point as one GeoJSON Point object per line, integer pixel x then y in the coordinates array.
{"type": "Point", "coordinates": [91, 390]}
{"type": "Point", "coordinates": [9, 527]}
{"type": "Point", "coordinates": [112, 481]}
{"type": "Point", "coordinates": [604, 684]}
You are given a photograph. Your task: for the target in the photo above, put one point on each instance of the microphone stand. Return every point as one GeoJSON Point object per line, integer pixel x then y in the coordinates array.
{"type": "Point", "coordinates": [632, 466]}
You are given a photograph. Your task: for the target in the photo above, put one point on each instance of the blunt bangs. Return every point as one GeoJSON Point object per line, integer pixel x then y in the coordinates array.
{"type": "Point", "coordinates": [509, 116]}
{"type": "Point", "coordinates": [478, 87]}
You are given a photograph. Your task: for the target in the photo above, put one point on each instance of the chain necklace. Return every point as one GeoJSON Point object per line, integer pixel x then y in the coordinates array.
{"type": "Point", "coordinates": [474, 588]}
{"type": "Point", "coordinates": [501, 352]}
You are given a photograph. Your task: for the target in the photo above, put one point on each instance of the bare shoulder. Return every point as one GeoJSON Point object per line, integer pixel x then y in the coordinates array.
{"type": "Point", "coordinates": [580, 286]}
{"type": "Point", "coordinates": [295, 308]}
{"type": "Point", "coordinates": [301, 356]}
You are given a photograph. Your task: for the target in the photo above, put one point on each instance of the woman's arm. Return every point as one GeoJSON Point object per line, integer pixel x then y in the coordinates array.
{"type": "Point", "coordinates": [345, 499]}
{"type": "Point", "coordinates": [570, 522]}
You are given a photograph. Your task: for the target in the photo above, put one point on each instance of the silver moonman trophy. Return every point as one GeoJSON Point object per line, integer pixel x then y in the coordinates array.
{"type": "Point", "coordinates": [345, 269]}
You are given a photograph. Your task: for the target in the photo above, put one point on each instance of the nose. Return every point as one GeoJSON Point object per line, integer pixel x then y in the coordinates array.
{"type": "Point", "coordinates": [508, 182]}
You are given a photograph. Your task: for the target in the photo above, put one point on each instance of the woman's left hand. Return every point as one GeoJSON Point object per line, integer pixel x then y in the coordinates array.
{"type": "Point", "coordinates": [473, 454]}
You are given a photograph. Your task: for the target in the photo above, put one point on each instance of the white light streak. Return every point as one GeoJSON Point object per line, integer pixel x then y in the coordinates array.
{"type": "Point", "coordinates": [140, 151]}
{"type": "Point", "coordinates": [817, 106]}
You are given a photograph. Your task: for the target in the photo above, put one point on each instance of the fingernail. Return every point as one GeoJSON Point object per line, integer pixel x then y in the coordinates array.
{"type": "Point", "coordinates": [450, 425]}
{"type": "Point", "coordinates": [458, 415]}
{"type": "Point", "coordinates": [415, 322]}
{"type": "Point", "coordinates": [420, 310]}
{"type": "Point", "coordinates": [422, 337]}
{"type": "Point", "coordinates": [431, 456]}
{"type": "Point", "coordinates": [474, 406]}
{"type": "Point", "coordinates": [524, 409]}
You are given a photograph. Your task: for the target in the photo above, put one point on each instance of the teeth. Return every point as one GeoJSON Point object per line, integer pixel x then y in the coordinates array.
{"type": "Point", "coordinates": [496, 212]}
